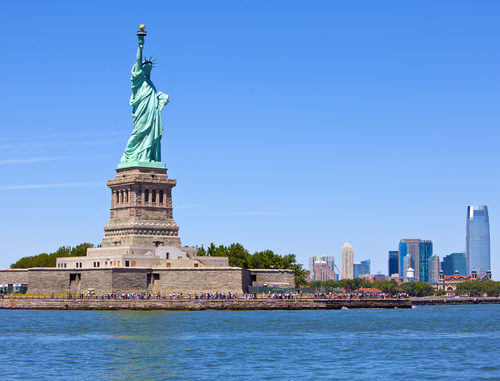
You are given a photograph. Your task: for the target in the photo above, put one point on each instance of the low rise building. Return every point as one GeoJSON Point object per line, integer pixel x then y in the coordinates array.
{"type": "Point", "coordinates": [449, 282]}
{"type": "Point", "coordinates": [380, 276]}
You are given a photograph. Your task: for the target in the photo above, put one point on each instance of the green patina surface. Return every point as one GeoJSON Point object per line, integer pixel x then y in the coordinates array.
{"type": "Point", "coordinates": [143, 147]}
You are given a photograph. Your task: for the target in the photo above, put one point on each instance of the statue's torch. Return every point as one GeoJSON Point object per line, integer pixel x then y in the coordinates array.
{"type": "Point", "coordinates": [142, 31]}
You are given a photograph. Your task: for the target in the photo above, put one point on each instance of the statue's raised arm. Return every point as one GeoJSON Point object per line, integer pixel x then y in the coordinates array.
{"type": "Point", "coordinates": [143, 147]}
{"type": "Point", "coordinates": [138, 58]}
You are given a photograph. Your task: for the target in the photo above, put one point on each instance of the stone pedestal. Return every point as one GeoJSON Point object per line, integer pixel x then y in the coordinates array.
{"type": "Point", "coordinates": [141, 209]}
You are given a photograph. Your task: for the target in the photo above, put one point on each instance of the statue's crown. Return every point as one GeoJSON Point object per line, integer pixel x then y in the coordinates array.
{"type": "Point", "coordinates": [150, 61]}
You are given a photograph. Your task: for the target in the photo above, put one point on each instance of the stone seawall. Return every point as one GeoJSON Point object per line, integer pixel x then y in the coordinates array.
{"type": "Point", "coordinates": [197, 305]}
{"type": "Point", "coordinates": [451, 301]}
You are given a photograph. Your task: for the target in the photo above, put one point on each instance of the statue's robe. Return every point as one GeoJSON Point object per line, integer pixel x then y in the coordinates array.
{"type": "Point", "coordinates": [147, 103]}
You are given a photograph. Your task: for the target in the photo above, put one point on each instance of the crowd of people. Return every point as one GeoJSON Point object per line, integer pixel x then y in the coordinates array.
{"type": "Point", "coordinates": [361, 295]}
{"type": "Point", "coordinates": [231, 295]}
{"type": "Point", "coordinates": [152, 296]}
{"type": "Point", "coordinates": [286, 295]}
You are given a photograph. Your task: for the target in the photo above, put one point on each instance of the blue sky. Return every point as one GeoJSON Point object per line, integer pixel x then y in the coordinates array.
{"type": "Point", "coordinates": [294, 126]}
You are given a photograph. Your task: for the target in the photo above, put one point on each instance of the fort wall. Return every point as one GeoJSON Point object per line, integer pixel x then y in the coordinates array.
{"type": "Point", "coordinates": [228, 279]}
{"type": "Point", "coordinates": [273, 278]}
{"type": "Point", "coordinates": [130, 280]}
{"type": "Point", "coordinates": [14, 276]}
{"type": "Point", "coordinates": [139, 280]}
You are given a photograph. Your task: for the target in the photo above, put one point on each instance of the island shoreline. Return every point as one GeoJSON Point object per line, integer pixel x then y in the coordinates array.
{"type": "Point", "coordinates": [238, 304]}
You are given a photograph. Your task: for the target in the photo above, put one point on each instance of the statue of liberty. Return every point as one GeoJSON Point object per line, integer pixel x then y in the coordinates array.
{"type": "Point", "coordinates": [143, 147]}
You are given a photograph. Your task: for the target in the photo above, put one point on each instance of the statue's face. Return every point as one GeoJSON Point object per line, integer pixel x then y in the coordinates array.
{"type": "Point", "coordinates": [147, 69]}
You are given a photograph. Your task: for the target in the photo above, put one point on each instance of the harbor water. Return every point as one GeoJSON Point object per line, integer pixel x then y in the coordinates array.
{"type": "Point", "coordinates": [424, 343]}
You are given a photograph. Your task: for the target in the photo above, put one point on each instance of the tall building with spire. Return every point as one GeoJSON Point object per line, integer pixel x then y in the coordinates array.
{"type": "Point", "coordinates": [477, 249]}
{"type": "Point", "coordinates": [347, 261]}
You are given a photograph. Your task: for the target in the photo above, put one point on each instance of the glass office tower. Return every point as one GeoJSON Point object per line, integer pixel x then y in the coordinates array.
{"type": "Point", "coordinates": [366, 266]}
{"type": "Point", "coordinates": [393, 263]}
{"type": "Point", "coordinates": [454, 262]}
{"type": "Point", "coordinates": [357, 270]}
{"type": "Point", "coordinates": [360, 268]}
{"type": "Point", "coordinates": [425, 252]}
{"type": "Point", "coordinates": [478, 239]}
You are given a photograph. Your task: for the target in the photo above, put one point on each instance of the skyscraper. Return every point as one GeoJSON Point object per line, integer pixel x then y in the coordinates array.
{"type": "Point", "coordinates": [420, 251]}
{"type": "Point", "coordinates": [330, 260]}
{"type": "Point", "coordinates": [393, 263]}
{"type": "Point", "coordinates": [322, 271]}
{"type": "Point", "coordinates": [407, 247]}
{"type": "Point", "coordinates": [433, 269]}
{"type": "Point", "coordinates": [366, 266]}
{"type": "Point", "coordinates": [312, 260]}
{"type": "Point", "coordinates": [425, 252]}
{"type": "Point", "coordinates": [455, 262]}
{"type": "Point", "coordinates": [347, 261]}
{"type": "Point", "coordinates": [360, 268]}
{"type": "Point", "coordinates": [477, 248]}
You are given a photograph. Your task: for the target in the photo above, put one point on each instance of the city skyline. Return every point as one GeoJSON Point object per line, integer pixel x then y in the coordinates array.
{"type": "Point", "coordinates": [417, 254]}
{"type": "Point", "coordinates": [338, 94]}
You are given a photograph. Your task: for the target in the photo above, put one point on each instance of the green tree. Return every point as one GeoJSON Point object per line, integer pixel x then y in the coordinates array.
{"type": "Point", "coordinates": [200, 251]}
{"type": "Point", "coordinates": [478, 288]}
{"type": "Point", "coordinates": [387, 286]}
{"type": "Point", "coordinates": [219, 251]}
{"type": "Point", "coordinates": [417, 289]}
{"type": "Point", "coordinates": [440, 292]}
{"type": "Point", "coordinates": [238, 256]}
{"type": "Point", "coordinates": [347, 284]}
{"type": "Point", "coordinates": [49, 260]}
{"type": "Point", "coordinates": [491, 288]}
{"type": "Point", "coordinates": [472, 288]}
{"type": "Point", "coordinates": [268, 260]}
{"type": "Point", "coordinates": [80, 250]}
{"type": "Point", "coordinates": [354, 284]}
{"type": "Point", "coordinates": [300, 273]}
